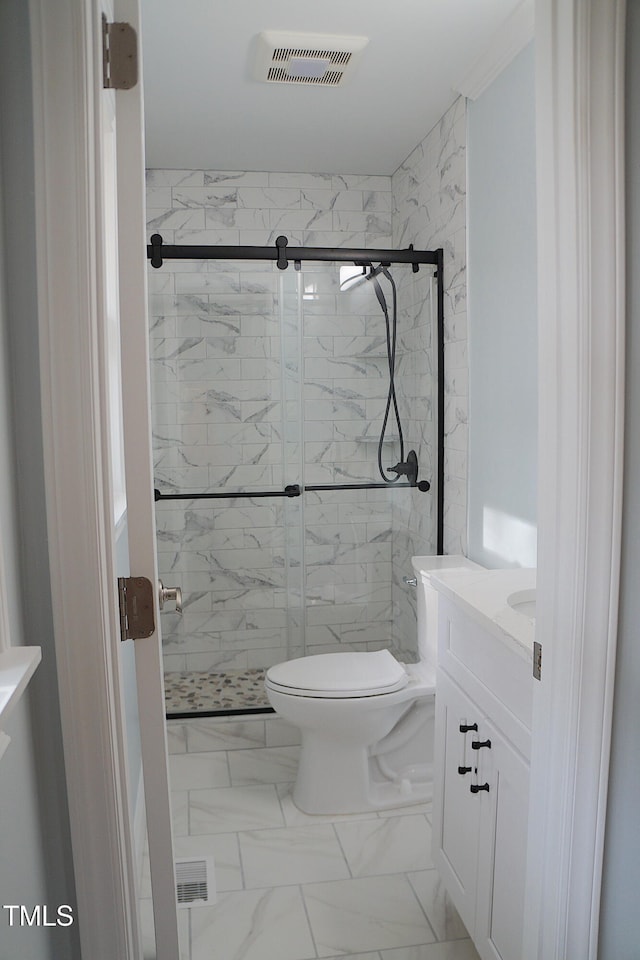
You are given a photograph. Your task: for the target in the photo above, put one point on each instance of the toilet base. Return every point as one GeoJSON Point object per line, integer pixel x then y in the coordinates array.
{"type": "Point", "coordinates": [361, 785]}
{"type": "Point", "coordinates": [362, 753]}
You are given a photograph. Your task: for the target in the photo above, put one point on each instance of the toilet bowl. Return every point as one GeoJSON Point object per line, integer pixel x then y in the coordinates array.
{"type": "Point", "coordinates": [366, 720]}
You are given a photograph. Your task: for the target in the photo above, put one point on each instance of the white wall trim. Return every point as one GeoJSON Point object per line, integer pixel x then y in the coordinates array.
{"type": "Point", "coordinates": [66, 66]}
{"type": "Point", "coordinates": [514, 34]}
{"type": "Point", "coordinates": [579, 61]}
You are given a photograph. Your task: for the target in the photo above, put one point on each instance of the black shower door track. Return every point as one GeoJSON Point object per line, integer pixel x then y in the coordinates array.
{"type": "Point", "coordinates": [283, 254]}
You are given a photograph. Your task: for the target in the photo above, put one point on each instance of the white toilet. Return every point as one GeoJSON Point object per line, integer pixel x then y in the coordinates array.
{"type": "Point", "coordinates": [366, 720]}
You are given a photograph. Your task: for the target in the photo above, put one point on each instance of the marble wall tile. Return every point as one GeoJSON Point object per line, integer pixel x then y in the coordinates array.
{"type": "Point", "coordinates": [231, 310]}
{"type": "Point", "coordinates": [428, 193]}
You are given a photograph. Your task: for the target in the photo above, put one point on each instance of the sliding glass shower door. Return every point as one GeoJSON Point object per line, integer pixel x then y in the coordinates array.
{"type": "Point", "coordinates": [225, 443]}
{"type": "Point", "coordinates": [359, 542]}
{"type": "Point", "coordinates": [267, 382]}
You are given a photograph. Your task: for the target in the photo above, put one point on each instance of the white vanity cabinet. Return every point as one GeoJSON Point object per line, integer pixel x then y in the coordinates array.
{"type": "Point", "coordinates": [481, 776]}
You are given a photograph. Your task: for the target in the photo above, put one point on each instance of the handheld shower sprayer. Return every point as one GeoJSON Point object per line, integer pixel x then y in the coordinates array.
{"type": "Point", "coordinates": [365, 271]}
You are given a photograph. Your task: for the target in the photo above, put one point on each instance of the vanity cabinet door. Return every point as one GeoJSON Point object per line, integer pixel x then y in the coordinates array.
{"type": "Point", "coordinates": [502, 852]}
{"type": "Point", "coordinates": [456, 811]}
{"type": "Point", "coordinates": [480, 812]}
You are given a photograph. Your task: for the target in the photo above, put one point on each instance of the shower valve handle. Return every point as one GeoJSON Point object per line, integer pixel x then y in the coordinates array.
{"type": "Point", "coordinates": [168, 594]}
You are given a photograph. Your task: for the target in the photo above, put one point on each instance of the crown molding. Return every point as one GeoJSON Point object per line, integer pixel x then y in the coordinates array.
{"type": "Point", "coordinates": [507, 42]}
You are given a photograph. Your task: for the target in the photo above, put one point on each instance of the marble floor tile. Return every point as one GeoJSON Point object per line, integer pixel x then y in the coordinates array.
{"type": "Point", "coordinates": [234, 808]}
{"type": "Point", "coordinates": [223, 848]}
{"type": "Point", "coordinates": [296, 855]}
{"type": "Point", "coordinates": [198, 771]}
{"type": "Point", "coordinates": [253, 925]}
{"type": "Point", "coordinates": [209, 733]}
{"type": "Point", "coordinates": [180, 812]}
{"type": "Point", "coordinates": [269, 765]}
{"type": "Point", "coordinates": [453, 950]}
{"type": "Point", "coordinates": [364, 877]}
{"type": "Point", "coordinates": [294, 817]}
{"type": "Point", "coordinates": [358, 956]}
{"type": "Point", "coordinates": [437, 905]}
{"type": "Point", "coordinates": [176, 737]}
{"type": "Point", "coordinates": [394, 845]}
{"type": "Point", "coordinates": [425, 808]}
{"type": "Point", "coordinates": [373, 913]}
{"type": "Point", "coordinates": [279, 733]}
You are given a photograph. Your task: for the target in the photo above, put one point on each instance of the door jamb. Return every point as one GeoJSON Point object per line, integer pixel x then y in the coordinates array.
{"type": "Point", "coordinates": [581, 309]}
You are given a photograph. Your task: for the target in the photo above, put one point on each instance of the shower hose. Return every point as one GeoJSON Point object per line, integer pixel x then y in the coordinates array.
{"type": "Point", "coordinates": [391, 325]}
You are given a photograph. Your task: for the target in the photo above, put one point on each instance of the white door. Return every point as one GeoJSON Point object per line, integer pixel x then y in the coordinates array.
{"type": "Point", "coordinates": [89, 267]}
{"type": "Point", "coordinates": [140, 674]}
{"type": "Point", "coordinates": [123, 191]}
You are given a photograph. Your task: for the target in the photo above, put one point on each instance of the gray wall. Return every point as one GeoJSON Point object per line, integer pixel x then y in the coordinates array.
{"type": "Point", "coordinates": [503, 371]}
{"type": "Point", "coordinates": [619, 936]}
{"type": "Point", "coordinates": [35, 852]}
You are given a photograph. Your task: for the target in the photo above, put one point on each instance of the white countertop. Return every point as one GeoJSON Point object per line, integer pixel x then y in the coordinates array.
{"type": "Point", "coordinates": [483, 596]}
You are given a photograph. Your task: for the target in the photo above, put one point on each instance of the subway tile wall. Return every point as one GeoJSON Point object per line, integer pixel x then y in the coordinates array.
{"type": "Point", "coordinates": [429, 210]}
{"type": "Point", "coordinates": [226, 342]}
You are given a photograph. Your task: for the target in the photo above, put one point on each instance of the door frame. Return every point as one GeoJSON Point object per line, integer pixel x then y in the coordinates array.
{"type": "Point", "coordinates": [67, 81]}
{"type": "Point", "coordinates": [581, 262]}
{"type": "Point", "coordinates": [76, 459]}
{"type": "Point", "coordinates": [581, 328]}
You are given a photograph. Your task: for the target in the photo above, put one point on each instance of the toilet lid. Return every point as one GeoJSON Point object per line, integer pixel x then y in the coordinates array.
{"type": "Point", "coordinates": [340, 674]}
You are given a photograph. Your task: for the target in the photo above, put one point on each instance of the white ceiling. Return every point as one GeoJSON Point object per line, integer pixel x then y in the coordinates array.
{"type": "Point", "coordinates": [204, 110]}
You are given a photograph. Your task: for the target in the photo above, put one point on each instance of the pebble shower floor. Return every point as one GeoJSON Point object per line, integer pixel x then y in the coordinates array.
{"type": "Point", "coordinates": [198, 692]}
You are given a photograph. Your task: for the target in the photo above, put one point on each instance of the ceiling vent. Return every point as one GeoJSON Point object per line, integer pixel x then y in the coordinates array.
{"type": "Point", "coordinates": [307, 58]}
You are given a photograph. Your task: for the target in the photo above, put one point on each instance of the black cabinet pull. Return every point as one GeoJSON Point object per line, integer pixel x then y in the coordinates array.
{"type": "Point", "coordinates": [479, 744]}
{"type": "Point", "coordinates": [466, 727]}
{"type": "Point", "coordinates": [463, 770]}
{"type": "Point", "coordinates": [477, 787]}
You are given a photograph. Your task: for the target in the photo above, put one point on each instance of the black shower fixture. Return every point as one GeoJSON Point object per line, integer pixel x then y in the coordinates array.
{"type": "Point", "coordinates": [284, 255]}
{"type": "Point", "coordinates": [409, 468]}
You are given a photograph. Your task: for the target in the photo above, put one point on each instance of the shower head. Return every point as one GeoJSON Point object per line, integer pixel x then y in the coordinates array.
{"type": "Point", "coordinates": [353, 275]}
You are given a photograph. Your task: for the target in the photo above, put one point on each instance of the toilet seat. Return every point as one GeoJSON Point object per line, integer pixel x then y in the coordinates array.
{"type": "Point", "coordinates": [337, 675]}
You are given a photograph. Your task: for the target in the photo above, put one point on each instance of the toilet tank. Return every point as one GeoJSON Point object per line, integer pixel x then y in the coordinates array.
{"type": "Point", "coordinates": [427, 606]}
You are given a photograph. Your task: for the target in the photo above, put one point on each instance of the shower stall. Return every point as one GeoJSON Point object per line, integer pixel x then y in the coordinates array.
{"type": "Point", "coordinates": [297, 398]}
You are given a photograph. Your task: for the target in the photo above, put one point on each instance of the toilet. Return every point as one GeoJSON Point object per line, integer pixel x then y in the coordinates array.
{"type": "Point", "coordinates": [366, 720]}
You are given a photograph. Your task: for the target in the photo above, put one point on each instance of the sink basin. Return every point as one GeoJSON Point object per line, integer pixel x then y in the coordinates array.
{"type": "Point", "coordinates": [523, 602]}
